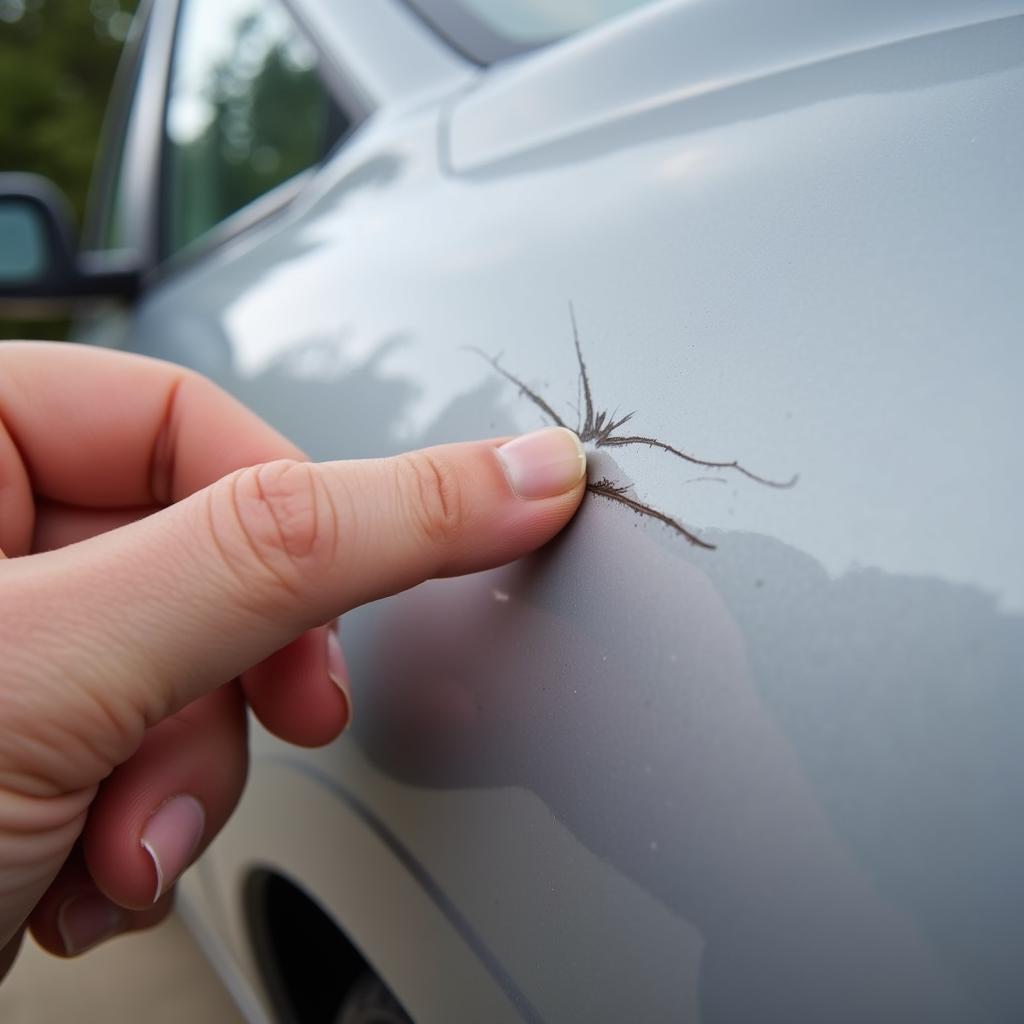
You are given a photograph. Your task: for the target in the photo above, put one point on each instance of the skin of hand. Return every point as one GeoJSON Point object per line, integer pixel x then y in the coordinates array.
{"type": "Point", "coordinates": [168, 559]}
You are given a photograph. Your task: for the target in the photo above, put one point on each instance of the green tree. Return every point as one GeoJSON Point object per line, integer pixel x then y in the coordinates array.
{"type": "Point", "coordinates": [269, 119]}
{"type": "Point", "coordinates": [57, 63]}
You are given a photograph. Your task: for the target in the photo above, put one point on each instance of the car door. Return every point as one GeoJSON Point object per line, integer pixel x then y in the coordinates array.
{"type": "Point", "coordinates": [741, 743]}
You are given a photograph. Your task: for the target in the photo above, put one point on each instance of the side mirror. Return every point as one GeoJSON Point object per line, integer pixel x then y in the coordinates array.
{"type": "Point", "coordinates": [40, 272]}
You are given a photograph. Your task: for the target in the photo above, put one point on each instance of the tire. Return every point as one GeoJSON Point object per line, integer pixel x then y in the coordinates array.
{"type": "Point", "coordinates": [369, 1001]}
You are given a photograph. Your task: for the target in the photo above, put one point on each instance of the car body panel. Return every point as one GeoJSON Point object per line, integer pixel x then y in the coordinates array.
{"type": "Point", "coordinates": [671, 53]}
{"type": "Point", "coordinates": [384, 52]}
{"type": "Point", "coordinates": [627, 777]}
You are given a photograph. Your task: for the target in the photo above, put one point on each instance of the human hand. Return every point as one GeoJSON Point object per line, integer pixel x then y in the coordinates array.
{"type": "Point", "coordinates": [151, 586]}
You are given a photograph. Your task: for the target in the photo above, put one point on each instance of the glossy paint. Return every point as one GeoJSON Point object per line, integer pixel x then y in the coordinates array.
{"type": "Point", "coordinates": [625, 778]}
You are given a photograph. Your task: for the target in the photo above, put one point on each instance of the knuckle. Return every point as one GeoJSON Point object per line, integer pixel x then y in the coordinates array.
{"type": "Point", "coordinates": [274, 522]}
{"type": "Point", "coordinates": [435, 496]}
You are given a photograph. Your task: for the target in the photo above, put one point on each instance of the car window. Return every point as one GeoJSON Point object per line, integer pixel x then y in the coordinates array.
{"type": "Point", "coordinates": [246, 111]}
{"type": "Point", "coordinates": [488, 30]}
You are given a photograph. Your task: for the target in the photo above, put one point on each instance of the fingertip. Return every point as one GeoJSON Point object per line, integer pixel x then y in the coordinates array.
{"type": "Point", "coordinates": [86, 919]}
{"type": "Point", "coordinates": [300, 693]}
{"type": "Point", "coordinates": [171, 837]}
{"type": "Point", "coordinates": [75, 915]}
{"type": "Point", "coordinates": [337, 672]}
{"type": "Point", "coordinates": [156, 812]}
{"type": "Point", "coordinates": [447, 511]}
{"type": "Point", "coordinates": [546, 463]}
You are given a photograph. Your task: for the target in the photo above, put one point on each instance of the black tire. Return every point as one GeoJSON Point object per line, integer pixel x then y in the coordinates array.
{"type": "Point", "coordinates": [369, 1001]}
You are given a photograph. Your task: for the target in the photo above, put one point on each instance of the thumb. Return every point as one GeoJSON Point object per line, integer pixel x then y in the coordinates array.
{"type": "Point", "coordinates": [146, 618]}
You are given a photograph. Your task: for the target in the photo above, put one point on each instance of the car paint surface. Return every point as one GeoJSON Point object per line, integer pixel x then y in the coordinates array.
{"type": "Point", "coordinates": [626, 778]}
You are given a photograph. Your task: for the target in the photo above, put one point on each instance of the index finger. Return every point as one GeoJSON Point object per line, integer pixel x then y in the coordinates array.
{"type": "Point", "coordinates": [103, 429]}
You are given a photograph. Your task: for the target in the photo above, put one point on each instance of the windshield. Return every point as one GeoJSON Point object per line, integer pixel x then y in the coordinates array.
{"type": "Point", "coordinates": [487, 30]}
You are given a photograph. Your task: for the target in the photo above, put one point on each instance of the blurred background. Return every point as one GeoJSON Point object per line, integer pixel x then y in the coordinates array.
{"type": "Point", "coordinates": [57, 64]}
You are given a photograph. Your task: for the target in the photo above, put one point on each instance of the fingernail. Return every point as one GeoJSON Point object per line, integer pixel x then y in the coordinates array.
{"type": "Point", "coordinates": [545, 463]}
{"type": "Point", "coordinates": [337, 671]}
{"type": "Point", "coordinates": [88, 919]}
{"type": "Point", "coordinates": [170, 838]}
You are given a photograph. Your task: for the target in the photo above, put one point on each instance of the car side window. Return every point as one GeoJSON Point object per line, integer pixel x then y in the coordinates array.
{"type": "Point", "coordinates": [246, 111]}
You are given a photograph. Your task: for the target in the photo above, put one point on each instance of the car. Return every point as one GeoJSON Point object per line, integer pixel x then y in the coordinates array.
{"type": "Point", "coordinates": [743, 743]}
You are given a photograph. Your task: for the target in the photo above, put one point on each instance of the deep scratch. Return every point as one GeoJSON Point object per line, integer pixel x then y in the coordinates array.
{"type": "Point", "coordinates": [598, 427]}
{"type": "Point", "coordinates": [606, 489]}
{"type": "Point", "coordinates": [587, 426]}
{"type": "Point", "coordinates": [651, 442]}
{"type": "Point", "coordinates": [523, 389]}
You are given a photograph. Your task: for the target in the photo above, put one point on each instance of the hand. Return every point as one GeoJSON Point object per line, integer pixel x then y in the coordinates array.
{"type": "Point", "coordinates": [153, 586]}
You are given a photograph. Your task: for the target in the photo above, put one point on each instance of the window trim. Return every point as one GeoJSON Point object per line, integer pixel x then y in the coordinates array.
{"type": "Point", "coordinates": [113, 144]}
{"type": "Point", "coordinates": [258, 211]}
{"type": "Point", "coordinates": [136, 111]}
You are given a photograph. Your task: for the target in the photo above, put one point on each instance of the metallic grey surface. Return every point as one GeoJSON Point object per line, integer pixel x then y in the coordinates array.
{"type": "Point", "coordinates": [383, 49]}
{"type": "Point", "coordinates": [696, 50]}
{"type": "Point", "coordinates": [624, 778]}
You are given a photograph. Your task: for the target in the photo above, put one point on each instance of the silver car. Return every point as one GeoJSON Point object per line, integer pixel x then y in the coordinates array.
{"type": "Point", "coordinates": [744, 743]}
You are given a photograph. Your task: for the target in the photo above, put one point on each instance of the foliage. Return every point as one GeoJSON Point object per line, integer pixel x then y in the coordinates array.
{"type": "Point", "coordinates": [266, 116]}
{"type": "Point", "coordinates": [57, 63]}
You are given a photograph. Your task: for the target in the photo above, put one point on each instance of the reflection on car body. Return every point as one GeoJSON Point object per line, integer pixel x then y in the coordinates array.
{"type": "Point", "coordinates": [767, 776]}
